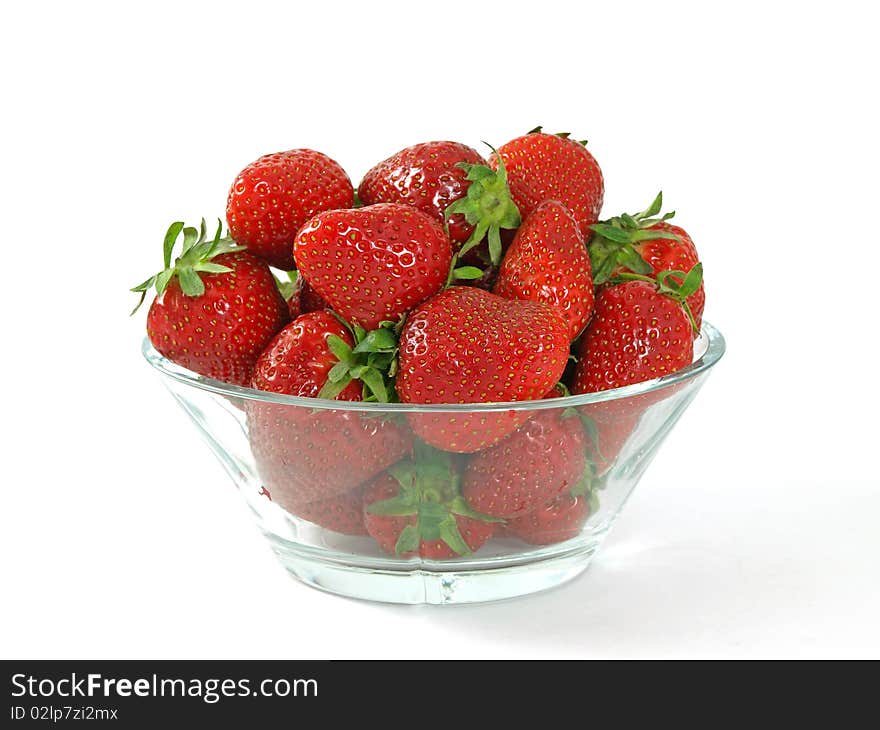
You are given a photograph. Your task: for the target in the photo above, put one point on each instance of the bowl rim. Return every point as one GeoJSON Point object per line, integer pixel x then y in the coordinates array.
{"type": "Point", "coordinates": [715, 347]}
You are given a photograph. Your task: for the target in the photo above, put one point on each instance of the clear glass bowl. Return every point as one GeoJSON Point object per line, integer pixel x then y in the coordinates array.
{"type": "Point", "coordinates": [284, 453]}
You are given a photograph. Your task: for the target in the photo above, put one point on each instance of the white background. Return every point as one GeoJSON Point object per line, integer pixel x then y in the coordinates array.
{"type": "Point", "coordinates": [755, 531]}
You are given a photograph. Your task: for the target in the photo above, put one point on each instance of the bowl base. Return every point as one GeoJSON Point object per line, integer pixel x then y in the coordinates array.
{"type": "Point", "coordinates": [420, 584]}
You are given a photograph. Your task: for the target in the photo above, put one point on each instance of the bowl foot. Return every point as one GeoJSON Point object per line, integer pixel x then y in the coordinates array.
{"type": "Point", "coordinates": [435, 582]}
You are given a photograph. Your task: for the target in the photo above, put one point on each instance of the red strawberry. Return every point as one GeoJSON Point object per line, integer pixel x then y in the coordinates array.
{"type": "Point", "coordinates": [541, 460]}
{"type": "Point", "coordinates": [343, 513]}
{"type": "Point", "coordinates": [416, 508]}
{"type": "Point", "coordinates": [373, 264]}
{"type": "Point", "coordinates": [559, 520]}
{"type": "Point", "coordinates": [300, 297]}
{"type": "Point", "coordinates": [272, 197]}
{"type": "Point", "coordinates": [428, 176]}
{"type": "Point", "coordinates": [542, 167]}
{"type": "Point", "coordinates": [298, 361]}
{"type": "Point", "coordinates": [548, 262]}
{"type": "Point", "coordinates": [641, 330]}
{"type": "Point", "coordinates": [643, 244]}
{"type": "Point", "coordinates": [309, 299]}
{"type": "Point", "coordinates": [216, 307]}
{"type": "Point", "coordinates": [305, 454]}
{"type": "Point", "coordinates": [608, 426]}
{"type": "Point", "coordinates": [465, 345]}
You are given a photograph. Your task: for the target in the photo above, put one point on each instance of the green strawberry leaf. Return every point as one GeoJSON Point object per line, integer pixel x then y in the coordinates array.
{"type": "Point", "coordinates": [653, 209]}
{"type": "Point", "coordinates": [170, 239]}
{"type": "Point", "coordinates": [340, 349]}
{"type": "Point", "coordinates": [377, 340]}
{"type": "Point", "coordinates": [467, 273]}
{"type": "Point", "coordinates": [332, 388]}
{"type": "Point", "coordinates": [451, 535]}
{"type": "Point", "coordinates": [374, 381]}
{"type": "Point", "coordinates": [408, 541]}
{"type": "Point", "coordinates": [611, 232]}
{"type": "Point", "coordinates": [487, 205]}
{"type": "Point", "coordinates": [211, 268]}
{"type": "Point", "coordinates": [191, 283]}
{"type": "Point", "coordinates": [459, 506]}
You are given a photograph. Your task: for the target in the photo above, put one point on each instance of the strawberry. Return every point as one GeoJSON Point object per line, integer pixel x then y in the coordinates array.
{"type": "Point", "coordinates": [542, 167]}
{"type": "Point", "coordinates": [343, 513]}
{"type": "Point", "coordinates": [306, 455]}
{"type": "Point", "coordinates": [216, 307]}
{"type": "Point", "coordinates": [559, 520]}
{"type": "Point", "coordinates": [299, 359]}
{"type": "Point", "coordinates": [548, 262]}
{"type": "Point", "coordinates": [300, 297]}
{"type": "Point", "coordinates": [541, 460]}
{"type": "Point", "coordinates": [373, 264]}
{"type": "Point", "coordinates": [644, 244]}
{"type": "Point", "coordinates": [272, 197]}
{"type": "Point", "coordinates": [428, 176]}
{"type": "Point", "coordinates": [641, 330]}
{"type": "Point", "coordinates": [416, 508]}
{"type": "Point", "coordinates": [608, 426]}
{"type": "Point", "coordinates": [465, 345]}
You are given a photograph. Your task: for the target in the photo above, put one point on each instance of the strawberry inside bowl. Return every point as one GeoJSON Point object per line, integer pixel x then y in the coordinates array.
{"type": "Point", "coordinates": [380, 500]}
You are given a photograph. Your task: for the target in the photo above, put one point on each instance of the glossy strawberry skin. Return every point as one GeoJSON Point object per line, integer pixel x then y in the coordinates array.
{"type": "Point", "coordinates": [221, 333]}
{"type": "Point", "coordinates": [304, 299]}
{"type": "Point", "coordinates": [543, 167]}
{"type": "Point", "coordinates": [542, 459]}
{"type": "Point", "coordinates": [306, 455]}
{"type": "Point", "coordinates": [665, 254]}
{"type": "Point", "coordinates": [373, 264]}
{"type": "Point", "coordinates": [386, 529]}
{"type": "Point", "coordinates": [272, 197]}
{"type": "Point", "coordinates": [298, 359]}
{"type": "Point", "coordinates": [465, 345]}
{"type": "Point", "coordinates": [425, 176]}
{"type": "Point", "coordinates": [548, 262]}
{"type": "Point", "coordinates": [559, 520]}
{"type": "Point", "coordinates": [636, 334]}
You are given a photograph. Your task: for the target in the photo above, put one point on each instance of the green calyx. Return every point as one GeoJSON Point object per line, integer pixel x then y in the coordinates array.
{"type": "Point", "coordinates": [677, 285]}
{"type": "Point", "coordinates": [588, 488]}
{"type": "Point", "coordinates": [488, 207]}
{"type": "Point", "coordinates": [614, 241]}
{"type": "Point", "coordinates": [195, 259]}
{"type": "Point", "coordinates": [565, 135]}
{"type": "Point", "coordinates": [430, 489]}
{"type": "Point", "coordinates": [372, 360]}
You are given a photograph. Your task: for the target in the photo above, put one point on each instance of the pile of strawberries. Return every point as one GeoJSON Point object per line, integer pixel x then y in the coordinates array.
{"type": "Point", "coordinates": [445, 278]}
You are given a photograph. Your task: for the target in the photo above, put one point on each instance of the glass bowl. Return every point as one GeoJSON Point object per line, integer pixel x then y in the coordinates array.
{"type": "Point", "coordinates": [298, 462]}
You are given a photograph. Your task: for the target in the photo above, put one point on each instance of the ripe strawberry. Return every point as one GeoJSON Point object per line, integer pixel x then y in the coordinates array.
{"type": "Point", "coordinates": [216, 307]}
{"type": "Point", "coordinates": [300, 297]}
{"type": "Point", "coordinates": [465, 345]}
{"type": "Point", "coordinates": [272, 197]}
{"type": "Point", "coordinates": [416, 508]}
{"type": "Point", "coordinates": [299, 359]}
{"type": "Point", "coordinates": [548, 262]}
{"type": "Point", "coordinates": [305, 454]}
{"type": "Point", "coordinates": [644, 244]}
{"type": "Point", "coordinates": [428, 176]}
{"type": "Point", "coordinates": [641, 330]}
{"type": "Point", "coordinates": [608, 426]}
{"type": "Point", "coordinates": [542, 167]}
{"type": "Point", "coordinates": [343, 513]}
{"type": "Point", "coordinates": [541, 460]}
{"type": "Point", "coordinates": [559, 520]}
{"type": "Point", "coordinates": [373, 264]}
